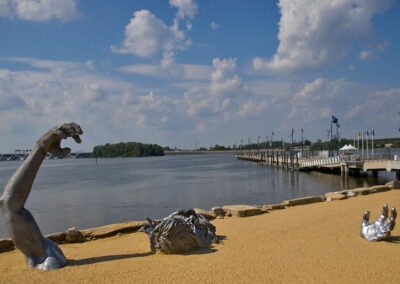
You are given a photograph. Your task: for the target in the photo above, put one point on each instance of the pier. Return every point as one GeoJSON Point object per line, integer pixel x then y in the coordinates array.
{"type": "Point", "coordinates": [344, 164]}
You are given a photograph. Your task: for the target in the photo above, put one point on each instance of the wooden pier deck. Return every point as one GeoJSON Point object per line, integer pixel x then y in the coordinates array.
{"type": "Point", "coordinates": [346, 165]}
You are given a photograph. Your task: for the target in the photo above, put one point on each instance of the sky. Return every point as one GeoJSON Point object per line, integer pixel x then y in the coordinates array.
{"type": "Point", "coordinates": [187, 73]}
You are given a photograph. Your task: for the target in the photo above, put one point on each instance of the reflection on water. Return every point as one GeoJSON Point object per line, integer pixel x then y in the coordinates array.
{"type": "Point", "coordinates": [84, 194]}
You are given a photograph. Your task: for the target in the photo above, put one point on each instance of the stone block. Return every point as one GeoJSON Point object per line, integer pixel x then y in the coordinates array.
{"type": "Point", "coordinates": [56, 237]}
{"type": "Point", "coordinates": [112, 230]}
{"type": "Point", "coordinates": [242, 210]}
{"type": "Point", "coordinates": [351, 194]}
{"type": "Point", "coordinates": [331, 196]}
{"type": "Point", "coordinates": [264, 209]}
{"type": "Point", "coordinates": [6, 245]}
{"type": "Point", "coordinates": [276, 206]}
{"type": "Point", "coordinates": [380, 188]}
{"type": "Point", "coordinates": [361, 190]}
{"type": "Point", "coordinates": [72, 235]}
{"type": "Point", "coordinates": [304, 200]}
{"type": "Point", "coordinates": [219, 211]}
{"type": "Point", "coordinates": [394, 184]}
{"type": "Point", "coordinates": [205, 213]}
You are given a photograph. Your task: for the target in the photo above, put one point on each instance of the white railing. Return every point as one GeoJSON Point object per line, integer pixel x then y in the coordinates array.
{"type": "Point", "coordinates": [320, 162]}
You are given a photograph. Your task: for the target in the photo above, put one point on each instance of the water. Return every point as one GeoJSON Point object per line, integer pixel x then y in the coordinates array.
{"type": "Point", "coordinates": [82, 194]}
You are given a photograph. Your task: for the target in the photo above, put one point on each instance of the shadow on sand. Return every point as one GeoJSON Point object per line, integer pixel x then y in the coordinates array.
{"type": "Point", "coordinates": [393, 239]}
{"type": "Point", "coordinates": [97, 259]}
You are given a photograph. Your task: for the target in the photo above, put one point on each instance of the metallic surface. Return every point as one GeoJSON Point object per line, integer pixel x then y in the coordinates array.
{"type": "Point", "coordinates": [39, 251]}
{"type": "Point", "coordinates": [182, 231]}
{"type": "Point", "coordinates": [380, 229]}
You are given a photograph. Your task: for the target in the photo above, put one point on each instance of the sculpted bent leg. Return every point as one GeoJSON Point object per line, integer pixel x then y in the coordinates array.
{"type": "Point", "coordinates": [39, 252]}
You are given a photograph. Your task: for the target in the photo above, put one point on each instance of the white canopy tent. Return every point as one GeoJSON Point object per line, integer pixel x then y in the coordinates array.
{"type": "Point", "coordinates": [348, 148]}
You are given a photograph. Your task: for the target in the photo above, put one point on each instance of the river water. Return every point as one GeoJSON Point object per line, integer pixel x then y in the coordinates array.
{"type": "Point", "coordinates": [80, 193]}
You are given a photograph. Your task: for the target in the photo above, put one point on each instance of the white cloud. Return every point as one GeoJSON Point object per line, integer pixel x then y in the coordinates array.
{"type": "Point", "coordinates": [222, 108]}
{"type": "Point", "coordinates": [186, 8]}
{"type": "Point", "coordinates": [214, 25]}
{"type": "Point", "coordinates": [379, 107]}
{"type": "Point", "coordinates": [352, 67]}
{"type": "Point", "coordinates": [383, 45]}
{"type": "Point", "coordinates": [322, 98]}
{"type": "Point", "coordinates": [39, 10]}
{"type": "Point", "coordinates": [153, 110]}
{"type": "Point", "coordinates": [216, 102]}
{"type": "Point", "coordinates": [146, 36]}
{"type": "Point", "coordinates": [365, 55]}
{"type": "Point", "coordinates": [109, 109]}
{"type": "Point", "coordinates": [5, 8]}
{"type": "Point", "coordinates": [314, 33]}
{"type": "Point", "coordinates": [253, 109]}
{"type": "Point", "coordinates": [174, 70]}
{"type": "Point", "coordinates": [189, 26]}
{"type": "Point", "coordinates": [50, 64]}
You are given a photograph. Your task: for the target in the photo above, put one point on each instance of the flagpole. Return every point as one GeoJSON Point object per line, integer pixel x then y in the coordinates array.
{"type": "Point", "coordinates": [373, 134]}
{"type": "Point", "coordinates": [366, 135]}
{"type": "Point", "coordinates": [354, 138]}
{"type": "Point", "coordinates": [362, 142]}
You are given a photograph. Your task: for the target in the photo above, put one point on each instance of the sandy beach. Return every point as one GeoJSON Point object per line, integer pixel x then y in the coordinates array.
{"type": "Point", "coordinates": [313, 243]}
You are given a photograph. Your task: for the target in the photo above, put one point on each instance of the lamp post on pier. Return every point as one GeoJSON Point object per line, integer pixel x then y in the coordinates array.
{"type": "Point", "coordinates": [302, 141]}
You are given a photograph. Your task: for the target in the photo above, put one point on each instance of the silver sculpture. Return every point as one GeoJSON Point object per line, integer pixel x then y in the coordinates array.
{"type": "Point", "coordinates": [182, 231]}
{"type": "Point", "coordinates": [380, 229]}
{"type": "Point", "coordinates": [39, 251]}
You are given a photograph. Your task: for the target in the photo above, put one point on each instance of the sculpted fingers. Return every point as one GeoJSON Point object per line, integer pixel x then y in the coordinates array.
{"type": "Point", "coordinates": [385, 212]}
{"type": "Point", "coordinates": [365, 218]}
{"type": "Point", "coordinates": [65, 151]}
{"type": "Point", "coordinates": [392, 220]}
{"type": "Point", "coordinates": [72, 130]}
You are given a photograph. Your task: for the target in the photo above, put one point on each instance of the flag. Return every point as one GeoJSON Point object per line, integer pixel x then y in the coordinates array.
{"type": "Point", "coordinates": [372, 132]}
{"type": "Point", "coordinates": [273, 133]}
{"type": "Point", "coordinates": [337, 124]}
{"type": "Point", "coordinates": [334, 119]}
{"type": "Point", "coordinates": [359, 134]}
{"type": "Point", "coordinates": [367, 133]}
{"type": "Point", "coordinates": [302, 131]}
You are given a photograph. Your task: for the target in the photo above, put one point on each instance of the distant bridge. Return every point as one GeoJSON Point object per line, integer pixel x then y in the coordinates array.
{"type": "Point", "coordinates": [21, 155]}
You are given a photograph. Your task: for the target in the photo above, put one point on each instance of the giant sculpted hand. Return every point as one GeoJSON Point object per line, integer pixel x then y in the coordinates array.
{"type": "Point", "coordinates": [39, 251]}
{"type": "Point", "coordinates": [51, 140]}
{"type": "Point", "coordinates": [380, 229]}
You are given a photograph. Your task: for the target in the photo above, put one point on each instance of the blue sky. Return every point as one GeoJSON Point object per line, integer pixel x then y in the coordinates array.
{"type": "Point", "coordinates": [174, 72]}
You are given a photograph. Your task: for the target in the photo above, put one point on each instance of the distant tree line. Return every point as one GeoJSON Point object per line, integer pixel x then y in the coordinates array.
{"type": "Point", "coordinates": [127, 149]}
{"type": "Point", "coordinates": [318, 145]}
{"type": "Point", "coordinates": [378, 143]}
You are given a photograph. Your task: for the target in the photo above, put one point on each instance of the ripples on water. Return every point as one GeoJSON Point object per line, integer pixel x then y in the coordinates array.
{"type": "Point", "coordinates": [82, 194]}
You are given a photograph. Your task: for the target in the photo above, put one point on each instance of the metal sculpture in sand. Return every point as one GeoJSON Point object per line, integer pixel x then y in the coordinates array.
{"type": "Point", "coordinates": [380, 229]}
{"type": "Point", "coordinates": [182, 231]}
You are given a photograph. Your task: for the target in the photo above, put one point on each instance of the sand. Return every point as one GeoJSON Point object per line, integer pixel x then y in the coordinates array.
{"type": "Point", "coordinates": [313, 243]}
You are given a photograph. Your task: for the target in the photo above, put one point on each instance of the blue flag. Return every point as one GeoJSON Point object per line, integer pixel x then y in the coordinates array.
{"type": "Point", "coordinates": [334, 119]}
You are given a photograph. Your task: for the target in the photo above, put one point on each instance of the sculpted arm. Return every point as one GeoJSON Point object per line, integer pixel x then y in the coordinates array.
{"type": "Point", "coordinates": [21, 225]}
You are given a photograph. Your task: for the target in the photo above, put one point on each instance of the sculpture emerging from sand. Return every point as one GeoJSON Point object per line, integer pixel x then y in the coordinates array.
{"type": "Point", "coordinates": [182, 231]}
{"type": "Point", "coordinates": [380, 229]}
{"type": "Point", "coordinates": [39, 251]}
